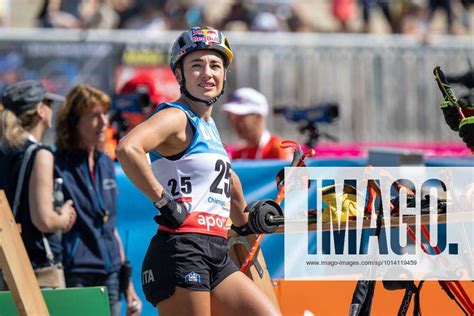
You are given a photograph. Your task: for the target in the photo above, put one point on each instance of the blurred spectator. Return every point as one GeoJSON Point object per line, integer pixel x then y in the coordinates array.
{"type": "Point", "coordinates": [267, 22]}
{"type": "Point", "coordinates": [78, 14]}
{"type": "Point", "coordinates": [343, 11]}
{"type": "Point", "coordinates": [183, 15]}
{"type": "Point", "coordinates": [148, 16]}
{"type": "Point", "coordinates": [293, 18]}
{"type": "Point", "coordinates": [126, 9]}
{"type": "Point", "coordinates": [413, 19]}
{"type": "Point", "coordinates": [446, 6]}
{"type": "Point", "coordinates": [247, 110]}
{"type": "Point", "coordinates": [196, 16]}
{"type": "Point", "coordinates": [239, 14]}
{"type": "Point", "coordinates": [466, 16]}
{"type": "Point", "coordinates": [10, 63]}
{"type": "Point", "coordinates": [27, 115]}
{"type": "Point", "coordinates": [368, 5]}
{"type": "Point", "coordinates": [93, 252]}
{"type": "Point", "coordinates": [264, 17]}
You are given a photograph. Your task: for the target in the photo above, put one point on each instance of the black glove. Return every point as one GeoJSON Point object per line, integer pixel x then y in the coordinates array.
{"type": "Point", "coordinates": [172, 213]}
{"type": "Point", "coordinates": [451, 115]}
{"type": "Point", "coordinates": [243, 230]}
{"type": "Point", "coordinates": [258, 222]}
{"type": "Point", "coordinates": [466, 131]}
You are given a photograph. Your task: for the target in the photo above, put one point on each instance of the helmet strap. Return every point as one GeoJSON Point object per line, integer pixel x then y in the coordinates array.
{"type": "Point", "coordinates": [182, 88]}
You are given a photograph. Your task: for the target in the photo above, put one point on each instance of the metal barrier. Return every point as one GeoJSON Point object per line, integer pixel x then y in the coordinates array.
{"type": "Point", "coordinates": [383, 83]}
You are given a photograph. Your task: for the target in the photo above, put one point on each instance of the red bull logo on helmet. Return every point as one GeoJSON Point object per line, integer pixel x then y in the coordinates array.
{"type": "Point", "coordinates": [204, 35]}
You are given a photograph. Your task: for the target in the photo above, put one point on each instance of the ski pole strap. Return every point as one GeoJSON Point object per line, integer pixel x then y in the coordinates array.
{"type": "Point", "coordinates": [362, 298]}
{"type": "Point", "coordinates": [444, 86]}
{"type": "Point", "coordinates": [364, 291]}
{"type": "Point", "coordinates": [409, 291]}
{"type": "Point", "coordinates": [417, 307]}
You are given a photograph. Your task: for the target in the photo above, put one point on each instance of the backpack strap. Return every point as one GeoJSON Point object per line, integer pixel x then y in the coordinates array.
{"type": "Point", "coordinates": [21, 177]}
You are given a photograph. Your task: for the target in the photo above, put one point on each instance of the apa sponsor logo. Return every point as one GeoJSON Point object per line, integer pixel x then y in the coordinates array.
{"type": "Point", "coordinates": [210, 221]}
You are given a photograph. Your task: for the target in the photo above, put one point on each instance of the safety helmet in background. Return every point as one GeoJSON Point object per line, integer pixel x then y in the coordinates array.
{"type": "Point", "coordinates": [198, 38]}
{"type": "Point", "coordinates": [143, 83]}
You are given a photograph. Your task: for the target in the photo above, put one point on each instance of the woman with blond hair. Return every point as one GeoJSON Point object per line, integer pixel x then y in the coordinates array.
{"type": "Point", "coordinates": [29, 189]}
{"type": "Point", "coordinates": [93, 254]}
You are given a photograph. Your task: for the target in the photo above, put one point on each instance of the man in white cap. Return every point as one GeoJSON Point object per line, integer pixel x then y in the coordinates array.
{"type": "Point", "coordinates": [247, 110]}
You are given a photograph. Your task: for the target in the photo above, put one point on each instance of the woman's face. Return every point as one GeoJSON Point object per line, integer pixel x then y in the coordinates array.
{"type": "Point", "coordinates": [204, 73]}
{"type": "Point", "coordinates": [93, 125]}
{"type": "Point", "coordinates": [248, 127]}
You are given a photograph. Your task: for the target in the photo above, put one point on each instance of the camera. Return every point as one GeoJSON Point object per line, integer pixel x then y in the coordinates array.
{"type": "Point", "coordinates": [322, 113]}
{"type": "Point", "coordinates": [309, 117]}
{"type": "Point", "coordinates": [136, 103]}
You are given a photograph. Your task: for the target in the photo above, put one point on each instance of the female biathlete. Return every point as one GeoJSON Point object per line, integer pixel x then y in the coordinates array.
{"type": "Point", "coordinates": [188, 176]}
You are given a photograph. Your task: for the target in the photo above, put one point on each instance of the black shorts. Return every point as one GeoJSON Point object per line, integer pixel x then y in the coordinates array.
{"type": "Point", "coordinates": [192, 261]}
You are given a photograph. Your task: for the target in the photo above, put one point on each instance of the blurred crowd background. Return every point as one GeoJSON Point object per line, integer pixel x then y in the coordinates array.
{"type": "Point", "coordinates": [379, 16]}
{"type": "Point", "coordinates": [372, 58]}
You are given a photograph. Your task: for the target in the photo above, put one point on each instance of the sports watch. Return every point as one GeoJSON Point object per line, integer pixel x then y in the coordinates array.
{"type": "Point", "coordinates": [164, 199]}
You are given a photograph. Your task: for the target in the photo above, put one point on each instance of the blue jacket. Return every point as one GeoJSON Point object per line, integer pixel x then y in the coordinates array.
{"type": "Point", "coordinates": [10, 162]}
{"type": "Point", "coordinates": [90, 246]}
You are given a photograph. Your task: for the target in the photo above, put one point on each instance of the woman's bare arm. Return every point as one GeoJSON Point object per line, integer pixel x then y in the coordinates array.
{"type": "Point", "coordinates": [237, 201]}
{"type": "Point", "coordinates": [163, 131]}
{"type": "Point", "coordinates": [40, 188]}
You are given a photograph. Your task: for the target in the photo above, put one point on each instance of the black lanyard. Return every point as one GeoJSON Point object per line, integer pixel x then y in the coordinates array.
{"type": "Point", "coordinates": [96, 189]}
